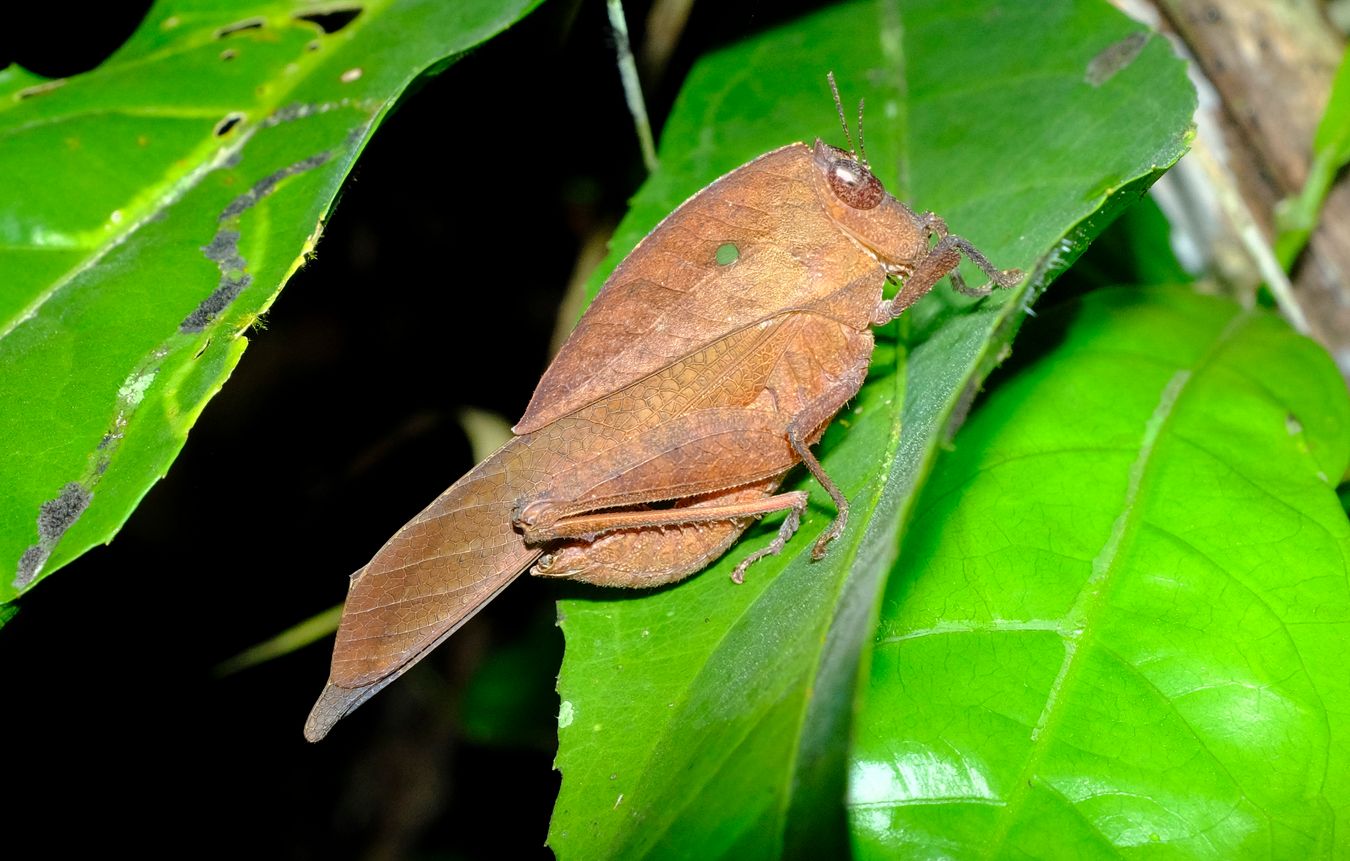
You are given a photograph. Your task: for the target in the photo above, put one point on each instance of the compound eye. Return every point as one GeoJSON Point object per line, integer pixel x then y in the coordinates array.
{"type": "Point", "coordinates": [854, 184]}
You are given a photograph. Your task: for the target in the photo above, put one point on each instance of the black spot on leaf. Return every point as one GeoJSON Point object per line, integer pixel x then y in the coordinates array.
{"type": "Point", "coordinates": [227, 123]}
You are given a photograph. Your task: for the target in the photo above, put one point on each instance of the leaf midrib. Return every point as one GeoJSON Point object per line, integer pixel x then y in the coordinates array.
{"type": "Point", "coordinates": [1091, 601]}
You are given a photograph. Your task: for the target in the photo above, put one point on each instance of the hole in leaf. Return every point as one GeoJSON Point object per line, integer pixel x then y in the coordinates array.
{"type": "Point", "coordinates": [728, 253]}
{"type": "Point", "coordinates": [239, 26]}
{"type": "Point", "coordinates": [229, 122]}
{"type": "Point", "coordinates": [333, 20]}
{"type": "Point", "coordinates": [228, 54]}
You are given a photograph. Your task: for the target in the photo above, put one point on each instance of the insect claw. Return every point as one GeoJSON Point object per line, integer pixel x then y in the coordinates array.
{"type": "Point", "coordinates": [822, 544]}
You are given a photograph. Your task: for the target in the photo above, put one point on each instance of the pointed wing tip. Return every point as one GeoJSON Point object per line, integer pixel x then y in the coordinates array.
{"type": "Point", "coordinates": [332, 706]}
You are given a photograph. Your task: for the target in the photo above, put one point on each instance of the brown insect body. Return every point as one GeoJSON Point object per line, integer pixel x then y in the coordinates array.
{"type": "Point", "coordinates": [713, 357]}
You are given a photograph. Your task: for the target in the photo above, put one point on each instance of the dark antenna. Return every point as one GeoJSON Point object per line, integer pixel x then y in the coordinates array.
{"type": "Point", "coordinates": [839, 106]}
{"type": "Point", "coordinates": [862, 150]}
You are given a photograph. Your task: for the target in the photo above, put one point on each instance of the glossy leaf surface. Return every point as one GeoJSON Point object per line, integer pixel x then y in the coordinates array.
{"type": "Point", "coordinates": [152, 209]}
{"type": "Point", "coordinates": [1117, 627]}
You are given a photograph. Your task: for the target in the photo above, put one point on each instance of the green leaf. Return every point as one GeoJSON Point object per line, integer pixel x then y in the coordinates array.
{"type": "Point", "coordinates": [709, 719]}
{"type": "Point", "coordinates": [292, 639]}
{"type": "Point", "coordinates": [487, 431]}
{"type": "Point", "coordinates": [1118, 624]}
{"type": "Point", "coordinates": [508, 701]}
{"type": "Point", "coordinates": [152, 209]}
{"type": "Point", "coordinates": [1296, 217]}
{"type": "Point", "coordinates": [1135, 249]}
{"type": "Point", "coordinates": [1333, 131]}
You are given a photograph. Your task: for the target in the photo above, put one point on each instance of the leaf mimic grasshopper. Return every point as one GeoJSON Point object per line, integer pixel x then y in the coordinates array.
{"type": "Point", "coordinates": [712, 360]}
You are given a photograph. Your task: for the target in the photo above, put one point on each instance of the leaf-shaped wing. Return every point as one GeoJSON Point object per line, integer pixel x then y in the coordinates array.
{"type": "Point", "coordinates": [750, 246]}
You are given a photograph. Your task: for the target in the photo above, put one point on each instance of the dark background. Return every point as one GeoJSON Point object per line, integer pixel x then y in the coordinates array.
{"type": "Point", "coordinates": [435, 286]}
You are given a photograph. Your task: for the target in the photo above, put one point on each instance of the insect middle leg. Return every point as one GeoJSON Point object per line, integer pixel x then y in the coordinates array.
{"type": "Point", "coordinates": [806, 428]}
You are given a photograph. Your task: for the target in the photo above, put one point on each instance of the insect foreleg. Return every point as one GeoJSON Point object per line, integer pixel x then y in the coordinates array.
{"type": "Point", "coordinates": [943, 259]}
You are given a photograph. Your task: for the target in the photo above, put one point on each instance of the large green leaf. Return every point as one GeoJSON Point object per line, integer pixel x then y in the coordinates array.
{"type": "Point", "coordinates": [709, 719]}
{"type": "Point", "coordinates": [1119, 622]}
{"type": "Point", "coordinates": [151, 210]}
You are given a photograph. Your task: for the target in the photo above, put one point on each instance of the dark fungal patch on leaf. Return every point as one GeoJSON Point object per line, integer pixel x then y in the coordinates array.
{"type": "Point", "coordinates": [1114, 57]}
{"type": "Point", "coordinates": [55, 516]}
{"type": "Point", "coordinates": [300, 110]}
{"type": "Point", "coordinates": [59, 514]}
{"type": "Point", "coordinates": [223, 249]}
{"type": "Point", "coordinates": [268, 184]}
{"type": "Point", "coordinates": [357, 133]}
{"type": "Point", "coordinates": [331, 21]}
{"type": "Point", "coordinates": [30, 563]}
{"type": "Point", "coordinates": [296, 111]}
